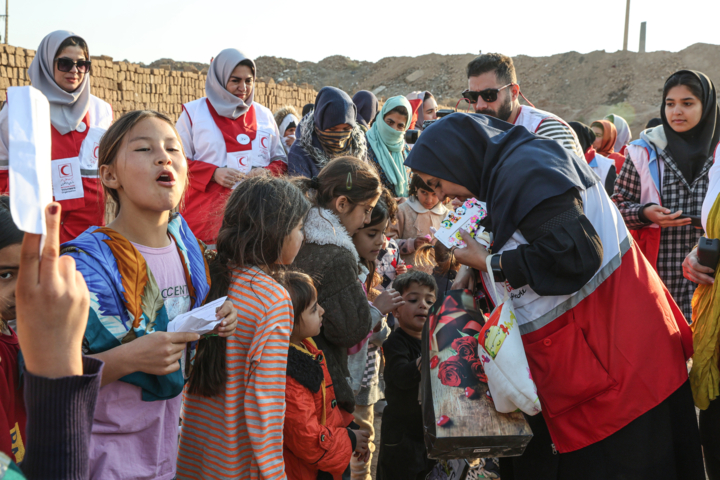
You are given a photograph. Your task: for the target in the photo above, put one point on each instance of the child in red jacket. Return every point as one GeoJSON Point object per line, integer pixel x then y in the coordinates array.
{"type": "Point", "coordinates": [317, 438]}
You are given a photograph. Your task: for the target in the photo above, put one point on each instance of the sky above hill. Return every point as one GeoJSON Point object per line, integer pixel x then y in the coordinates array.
{"type": "Point", "coordinates": [194, 30]}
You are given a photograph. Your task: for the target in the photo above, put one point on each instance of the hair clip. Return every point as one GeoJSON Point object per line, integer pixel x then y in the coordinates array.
{"type": "Point", "coordinates": [348, 184]}
{"type": "Point", "coordinates": [315, 183]}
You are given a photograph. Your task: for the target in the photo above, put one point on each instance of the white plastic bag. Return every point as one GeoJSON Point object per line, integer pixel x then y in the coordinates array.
{"type": "Point", "coordinates": [503, 355]}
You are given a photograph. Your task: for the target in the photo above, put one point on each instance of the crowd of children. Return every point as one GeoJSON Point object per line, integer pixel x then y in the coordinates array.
{"type": "Point", "coordinates": [329, 276]}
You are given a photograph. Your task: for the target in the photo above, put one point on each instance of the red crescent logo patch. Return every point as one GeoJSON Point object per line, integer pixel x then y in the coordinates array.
{"type": "Point", "coordinates": [262, 141]}
{"type": "Point", "coordinates": [63, 172]}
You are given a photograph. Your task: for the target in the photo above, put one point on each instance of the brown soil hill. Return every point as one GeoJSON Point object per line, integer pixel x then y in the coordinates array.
{"type": "Point", "coordinates": [582, 87]}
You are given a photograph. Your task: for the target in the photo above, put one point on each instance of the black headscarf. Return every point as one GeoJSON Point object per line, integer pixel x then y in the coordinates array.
{"type": "Point", "coordinates": [653, 122]}
{"type": "Point", "coordinates": [585, 134]}
{"type": "Point", "coordinates": [691, 149]}
{"type": "Point", "coordinates": [309, 107]}
{"type": "Point", "coordinates": [334, 107]}
{"type": "Point", "coordinates": [367, 107]}
{"type": "Point", "coordinates": [509, 168]}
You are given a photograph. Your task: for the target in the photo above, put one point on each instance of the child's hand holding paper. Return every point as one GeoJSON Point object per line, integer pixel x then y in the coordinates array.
{"type": "Point", "coordinates": [217, 317]}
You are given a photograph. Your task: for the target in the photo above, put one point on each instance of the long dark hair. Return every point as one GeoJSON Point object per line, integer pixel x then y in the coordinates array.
{"type": "Point", "coordinates": [260, 213]}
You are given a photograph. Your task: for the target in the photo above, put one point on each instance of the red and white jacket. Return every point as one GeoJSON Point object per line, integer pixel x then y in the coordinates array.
{"type": "Point", "coordinates": [533, 118]}
{"type": "Point", "coordinates": [650, 168]}
{"type": "Point", "coordinates": [210, 144]}
{"type": "Point", "coordinates": [612, 350]}
{"type": "Point", "coordinates": [78, 147]}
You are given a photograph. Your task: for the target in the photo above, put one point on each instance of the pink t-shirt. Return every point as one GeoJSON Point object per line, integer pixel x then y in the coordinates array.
{"type": "Point", "coordinates": [132, 439]}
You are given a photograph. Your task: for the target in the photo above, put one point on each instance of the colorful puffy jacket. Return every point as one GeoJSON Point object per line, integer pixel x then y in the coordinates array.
{"type": "Point", "coordinates": [315, 437]}
{"type": "Point", "coordinates": [125, 301]}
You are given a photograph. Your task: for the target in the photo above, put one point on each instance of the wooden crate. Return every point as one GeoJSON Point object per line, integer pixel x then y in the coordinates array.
{"type": "Point", "coordinates": [476, 429]}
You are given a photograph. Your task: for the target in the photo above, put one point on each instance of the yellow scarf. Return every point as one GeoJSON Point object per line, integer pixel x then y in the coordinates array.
{"type": "Point", "coordinates": [301, 348]}
{"type": "Point", "coordinates": [704, 376]}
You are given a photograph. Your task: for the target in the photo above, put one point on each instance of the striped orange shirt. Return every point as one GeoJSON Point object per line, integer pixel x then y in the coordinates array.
{"type": "Point", "coordinates": [239, 434]}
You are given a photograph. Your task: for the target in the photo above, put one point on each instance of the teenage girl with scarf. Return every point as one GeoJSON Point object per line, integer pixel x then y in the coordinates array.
{"type": "Point", "coordinates": [227, 137]}
{"type": "Point", "coordinates": [605, 342]}
{"type": "Point", "coordinates": [666, 176]}
{"type": "Point", "coordinates": [61, 70]}
{"type": "Point", "coordinates": [624, 135]}
{"type": "Point", "coordinates": [142, 270]}
{"type": "Point", "coordinates": [329, 131]}
{"type": "Point", "coordinates": [604, 141]}
{"type": "Point", "coordinates": [386, 144]}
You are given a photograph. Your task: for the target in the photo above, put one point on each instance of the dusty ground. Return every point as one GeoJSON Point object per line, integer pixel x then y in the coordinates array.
{"type": "Point", "coordinates": [575, 86]}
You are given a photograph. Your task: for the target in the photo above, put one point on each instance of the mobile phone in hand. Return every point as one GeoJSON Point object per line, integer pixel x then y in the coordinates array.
{"type": "Point", "coordinates": [696, 220]}
{"type": "Point", "coordinates": [708, 252]}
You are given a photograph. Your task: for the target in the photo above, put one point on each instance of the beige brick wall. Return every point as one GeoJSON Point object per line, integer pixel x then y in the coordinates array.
{"type": "Point", "coordinates": [128, 86]}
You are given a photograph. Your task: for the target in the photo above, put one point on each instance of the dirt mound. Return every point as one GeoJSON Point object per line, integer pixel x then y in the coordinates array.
{"type": "Point", "coordinates": [582, 87]}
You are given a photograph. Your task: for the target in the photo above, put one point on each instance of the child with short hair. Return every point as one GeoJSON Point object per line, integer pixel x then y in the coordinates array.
{"type": "Point", "coordinates": [422, 211]}
{"type": "Point", "coordinates": [402, 448]}
{"type": "Point", "coordinates": [12, 404]}
{"type": "Point", "coordinates": [318, 441]}
{"type": "Point", "coordinates": [365, 358]}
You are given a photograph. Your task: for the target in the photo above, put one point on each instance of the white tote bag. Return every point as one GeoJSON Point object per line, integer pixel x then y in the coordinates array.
{"type": "Point", "coordinates": [503, 355]}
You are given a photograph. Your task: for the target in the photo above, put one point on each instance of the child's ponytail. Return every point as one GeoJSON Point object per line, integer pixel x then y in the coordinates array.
{"type": "Point", "coordinates": [358, 181]}
{"type": "Point", "coordinates": [260, 213]}
{"type": "Point", "coordinates": [208, 375]}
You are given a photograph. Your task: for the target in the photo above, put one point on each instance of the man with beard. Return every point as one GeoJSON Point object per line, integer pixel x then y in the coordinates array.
{"type": "Point", "coordinates": [493, 91]}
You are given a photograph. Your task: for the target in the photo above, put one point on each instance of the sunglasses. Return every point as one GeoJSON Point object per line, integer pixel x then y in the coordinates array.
{"type": "Point", "coordinates": [65, 64]}
{"type": "Point", "coordinates": [489, 94]}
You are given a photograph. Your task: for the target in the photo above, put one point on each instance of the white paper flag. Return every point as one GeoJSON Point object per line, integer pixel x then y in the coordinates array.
{"type": "Point", "coordinates": [30, 148]}
{"type": "Point", "coordinates": [202, 320]}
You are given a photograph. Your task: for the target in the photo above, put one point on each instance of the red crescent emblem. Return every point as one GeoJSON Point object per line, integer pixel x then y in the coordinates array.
{"type": "Point", "coordinates": [95, 151]}
{"type": "Point", "coordinates": [62, 170]}
{"type": "Point", "coordinates": [240, 161]}
{"type": "Point", "coordinates": [262, 142]}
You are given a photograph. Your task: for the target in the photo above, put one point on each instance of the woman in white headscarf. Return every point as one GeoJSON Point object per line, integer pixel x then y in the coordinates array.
{"type": "Point", "coordinates": [227, 137]}
{"type": "Point", "coordinates": [61, 71]}
{"type": "Point", "coordinates": [624, 135]}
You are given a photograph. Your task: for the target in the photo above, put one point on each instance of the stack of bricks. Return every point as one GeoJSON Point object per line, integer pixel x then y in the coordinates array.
{"type": "Point", "coordinates": [128, 86]}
